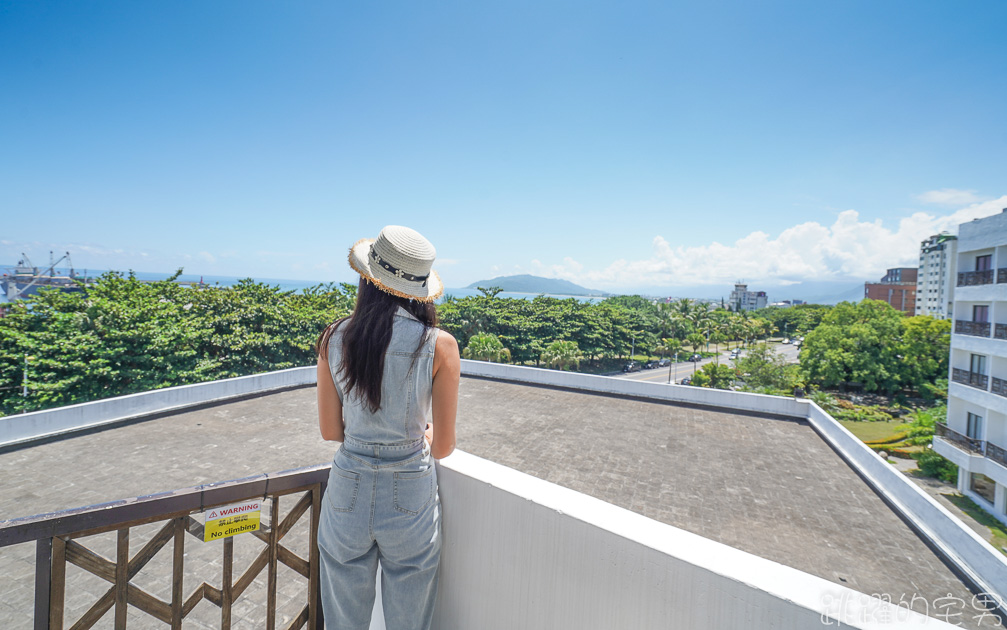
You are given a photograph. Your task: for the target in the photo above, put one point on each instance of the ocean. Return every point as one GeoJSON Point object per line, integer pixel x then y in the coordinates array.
{"type": "Point", "coordinates": [293, 285]}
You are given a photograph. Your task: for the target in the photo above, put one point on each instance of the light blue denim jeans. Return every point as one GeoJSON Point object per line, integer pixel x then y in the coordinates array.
{"type": "Point", "coordinates": [381, 503]}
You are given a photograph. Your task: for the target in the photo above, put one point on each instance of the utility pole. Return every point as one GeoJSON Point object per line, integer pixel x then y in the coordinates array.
{"type": "Point", "coordinates": [671, 367]}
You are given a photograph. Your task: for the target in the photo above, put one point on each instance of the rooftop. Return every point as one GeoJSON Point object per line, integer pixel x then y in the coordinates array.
{"type": "Point", "coordinates": [765, 484]}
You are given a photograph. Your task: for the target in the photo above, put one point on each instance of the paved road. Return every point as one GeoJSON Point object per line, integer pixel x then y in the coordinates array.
{"type": "Point", "coordinates": [678, 371]}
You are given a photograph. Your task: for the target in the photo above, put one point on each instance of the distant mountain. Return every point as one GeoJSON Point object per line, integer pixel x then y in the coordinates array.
{"type": "Point", "coordinates": [535, 284]}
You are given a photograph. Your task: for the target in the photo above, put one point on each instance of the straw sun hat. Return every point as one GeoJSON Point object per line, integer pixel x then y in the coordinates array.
{"type": "Point", "coordinates": [398, 262]}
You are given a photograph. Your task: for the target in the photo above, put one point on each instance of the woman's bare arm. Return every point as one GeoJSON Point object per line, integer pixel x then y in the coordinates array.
{"type": "Point", "coordinates": [330, 408]}
{"type": "Point", "coordinates": [447, 373]}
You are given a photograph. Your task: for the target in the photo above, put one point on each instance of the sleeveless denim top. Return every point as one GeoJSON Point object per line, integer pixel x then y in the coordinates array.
{"type": "Point", "coordinates": [405, 387]}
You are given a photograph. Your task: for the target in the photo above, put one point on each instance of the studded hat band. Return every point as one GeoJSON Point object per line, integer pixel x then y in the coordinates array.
{"type": "Point", "coordinates": [396, 271]}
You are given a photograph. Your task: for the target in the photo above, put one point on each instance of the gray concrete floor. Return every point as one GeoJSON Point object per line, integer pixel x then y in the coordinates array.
{"type": "Point", "coordinates": [767, 486]}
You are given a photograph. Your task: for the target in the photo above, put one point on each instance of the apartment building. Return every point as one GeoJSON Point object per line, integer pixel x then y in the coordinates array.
{"type": "Point", "coordinates": [898, 288]}
{"type": "Point", "coordinates": [935, 281]}
{"type": "Point", "coordinates": [975, 436]}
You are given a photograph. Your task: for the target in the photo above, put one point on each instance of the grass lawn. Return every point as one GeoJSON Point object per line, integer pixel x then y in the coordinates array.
{"type": "Point", "coordinates": [872, 431]}
{"type": "Point", "coordinates": [998, 529]}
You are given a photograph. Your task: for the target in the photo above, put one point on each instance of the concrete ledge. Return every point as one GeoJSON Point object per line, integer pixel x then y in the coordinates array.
{"type": "Point", "coordinates": [978, 561]}
{"type": "Point", "coordinates": [521, 552]}
{"type": "Point", "coordinates": [699, 396]}
{"type": "Point", "coordinates": [37, 425]}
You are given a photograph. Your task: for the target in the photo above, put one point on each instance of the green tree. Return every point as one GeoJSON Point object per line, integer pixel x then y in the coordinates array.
{"type": "Point", "coordinates": [669, 346]}
{"type": "Point", "coordinates": [856, 343]}
{"type": "Point", "coordinates": [714, 376]}
{"type": "Point", "coordinates": [120, 335]}
{"type": "Point", "coordinates": [760, 367]}
{"type": "Point", "coordinates": [925, 348]}
{"type": "Point", "coordinates": [561, 355]}
{"type": "Point", "coordinates": [486, 347]}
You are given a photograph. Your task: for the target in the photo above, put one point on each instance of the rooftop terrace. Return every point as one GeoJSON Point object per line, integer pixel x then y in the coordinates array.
{"type": "Point", "coordinates": [763, 483]}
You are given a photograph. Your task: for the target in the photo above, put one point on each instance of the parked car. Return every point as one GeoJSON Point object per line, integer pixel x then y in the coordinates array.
{"type": "Point", "coordinates": [650, 365]}
{"type": "Point", "coordinates": [687, 380]}
{"type": "Point", "coordinates": [695, 358]}
{"type": "Point", "coordinates": [786, 341]}
{"type": "Point", "coordinates": [664, 363]}
{"type": "Point", "coordinates": [632, 366]}
{"type": "Point", "coordinates": [735, 354]}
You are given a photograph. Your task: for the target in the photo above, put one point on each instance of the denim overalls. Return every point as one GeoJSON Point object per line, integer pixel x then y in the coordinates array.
{"type": "Point", "coordinates": [381, 502]}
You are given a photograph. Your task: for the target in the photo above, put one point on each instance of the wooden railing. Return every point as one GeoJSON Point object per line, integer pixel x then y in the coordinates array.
{"type": "Point", "coordinates": [55, 536]}
{"type": "Point", "coordinates": [978, 329]}
{"type": "Point", "coordinates": [973, 278]}
{"type": "Point", "coordinates": [969, 444]}
{"type": "Point", "coordinates": [999, 386]}
{"type": "Point", "coordinates": [972, 379]}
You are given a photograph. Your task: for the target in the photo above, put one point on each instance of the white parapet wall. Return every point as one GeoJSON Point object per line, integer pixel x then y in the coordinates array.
{"type": "Point", "coordinates": [520, 552]}
{"type": "Point", "coordinates": [976, 558]}
{"type": "Point", "coordinates": [28, 427]}
{"type": "Point", "coordinates": [682, 394]}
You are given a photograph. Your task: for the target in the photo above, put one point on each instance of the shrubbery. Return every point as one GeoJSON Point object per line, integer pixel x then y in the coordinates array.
{"type": "Point", "coordinates": [932, 464]}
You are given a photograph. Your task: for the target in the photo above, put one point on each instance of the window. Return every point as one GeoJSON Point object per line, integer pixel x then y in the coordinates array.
{"type": "Point", "coordinates": [978, 364]}
{"type": "Point", "coordinates": [983, 486]}
{"type": "Point", "coordinates": [974, 426]}
{"type": "Point", "coordinates": [984, 263]}
{"type": "Point", "coordinates": [981, 313]}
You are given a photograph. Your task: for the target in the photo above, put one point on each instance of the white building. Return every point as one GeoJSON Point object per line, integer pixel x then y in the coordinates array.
{"type": "Point", "coordinates": [975, 436]}
{"type": "Point", "coordinates": [744, 300]}
{"type": "Point", "coordinates": [935, 283]}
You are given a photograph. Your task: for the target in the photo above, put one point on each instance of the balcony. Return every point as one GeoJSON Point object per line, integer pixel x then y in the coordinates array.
{"type": "Point", "coordinates": [974, 278]}
{"type": "Point", "coordinates": [652, 533]}
{"type": "Point", "coordinates": [972, 379]}
{"type": "Point", "coordinates": [976, 329]}
{"type": "Point", "coordinates": [1000, 331]}
{"type": "Point", "coordinates": [560, 560]}
{"type": "Point", "coordinates": [961, 440]}
{"type": "Point", "coordinates": [1001, 276]}
{"type": "Point", "coordinates": [996, 453]}
{"type": "Point", "coordinates": [972, 445]}
{"type": "Point", "coordinates": [999, 386]}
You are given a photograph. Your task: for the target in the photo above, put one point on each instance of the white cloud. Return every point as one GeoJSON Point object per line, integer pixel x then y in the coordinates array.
{"type": "Point", "coordinates": [849, 249]}
{"type": "Point", "coordinates": [950, 197]}
{"type": "Point", "coordinates": [208, 257]}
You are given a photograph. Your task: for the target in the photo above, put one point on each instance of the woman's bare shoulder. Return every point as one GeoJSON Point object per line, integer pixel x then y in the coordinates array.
{"type": "Point", "coordinates": [446, 343]}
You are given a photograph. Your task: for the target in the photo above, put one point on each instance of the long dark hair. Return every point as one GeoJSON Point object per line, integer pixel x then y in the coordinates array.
{"type": "Point", "coordinates": [366, 335]}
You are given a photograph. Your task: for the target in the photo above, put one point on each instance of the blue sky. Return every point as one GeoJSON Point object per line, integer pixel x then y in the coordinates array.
{"type": "Point", "coordinates": [626, 145]}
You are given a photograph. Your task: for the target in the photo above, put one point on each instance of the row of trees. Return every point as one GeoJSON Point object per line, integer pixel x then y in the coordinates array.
{"type": "Point", "coordinates": [563, 331]}
{"type": "Point", "coordinates": [868, 346]}
{"type": "Point", "coordinates": [123, 336]}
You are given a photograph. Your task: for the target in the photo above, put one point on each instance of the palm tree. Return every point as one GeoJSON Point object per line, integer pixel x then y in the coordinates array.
{"type": "Point", "coordinates": [717, 337]}
{"type": "Point", "coordinates": [696, 340]}
{"type": "Point", "coordinates": [562, 354]}
{"type": "Point", "coordinates": [668, 346]}
{"type": "Point", "coordinates": [486, 347]}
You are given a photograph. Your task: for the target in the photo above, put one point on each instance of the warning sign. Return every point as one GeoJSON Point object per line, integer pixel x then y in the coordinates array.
{"type": "Point", "coordinates": [229, 520]}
